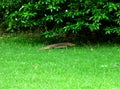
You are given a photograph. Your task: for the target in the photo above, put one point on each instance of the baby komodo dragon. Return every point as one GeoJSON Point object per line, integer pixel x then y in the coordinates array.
{"type": "Point", "coordinates": [58, 45]}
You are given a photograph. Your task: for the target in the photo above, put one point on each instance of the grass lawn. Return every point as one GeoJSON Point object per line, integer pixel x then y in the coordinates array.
{"type": "Point", "coordinates": [22, 66]}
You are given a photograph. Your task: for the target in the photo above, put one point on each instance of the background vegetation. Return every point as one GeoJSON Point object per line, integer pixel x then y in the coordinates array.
{"type": "Point", "coordinates": [58, 17]}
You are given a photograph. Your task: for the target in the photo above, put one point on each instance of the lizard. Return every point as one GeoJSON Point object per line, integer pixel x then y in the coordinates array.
{"type": "Point", "coordinates": [57, 45]}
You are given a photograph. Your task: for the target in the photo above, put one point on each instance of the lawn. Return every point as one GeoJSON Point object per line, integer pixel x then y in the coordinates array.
{"type": "Point", "coordinates": [23, 66]}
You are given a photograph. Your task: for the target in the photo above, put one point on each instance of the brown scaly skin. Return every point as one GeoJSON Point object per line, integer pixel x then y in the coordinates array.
{"type": "Point", "coordinates": [58, 45]}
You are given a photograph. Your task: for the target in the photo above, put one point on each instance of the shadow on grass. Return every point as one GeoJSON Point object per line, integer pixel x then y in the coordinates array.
{"type": "Point", "coordinates": [38, 40]}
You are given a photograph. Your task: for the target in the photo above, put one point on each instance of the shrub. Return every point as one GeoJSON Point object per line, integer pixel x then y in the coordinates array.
{"type": "Point", "coordinates": [57, 17]}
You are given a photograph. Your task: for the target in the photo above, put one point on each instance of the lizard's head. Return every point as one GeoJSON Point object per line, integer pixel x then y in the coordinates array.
{"type": "Point", "coordinates": [71, 44]}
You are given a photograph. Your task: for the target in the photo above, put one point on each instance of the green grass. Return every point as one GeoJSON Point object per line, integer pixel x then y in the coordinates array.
{"type": "Point", "coordinates": [23, 66]}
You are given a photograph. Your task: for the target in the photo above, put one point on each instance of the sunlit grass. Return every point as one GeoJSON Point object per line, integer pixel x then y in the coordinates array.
{"type": "Point", "coordinates": [23, 66]}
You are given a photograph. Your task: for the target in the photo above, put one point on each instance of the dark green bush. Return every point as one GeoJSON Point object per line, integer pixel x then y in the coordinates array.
{"type": "Point", "coordinates": [57, 17]}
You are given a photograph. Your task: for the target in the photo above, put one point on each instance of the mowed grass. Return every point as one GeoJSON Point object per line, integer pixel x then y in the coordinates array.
{"type": "Point", "coordinates": [23, 66]}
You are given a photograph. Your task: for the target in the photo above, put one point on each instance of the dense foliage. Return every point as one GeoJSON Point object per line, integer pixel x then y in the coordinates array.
{"type": "Point", "coordinates": [55, 17]}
